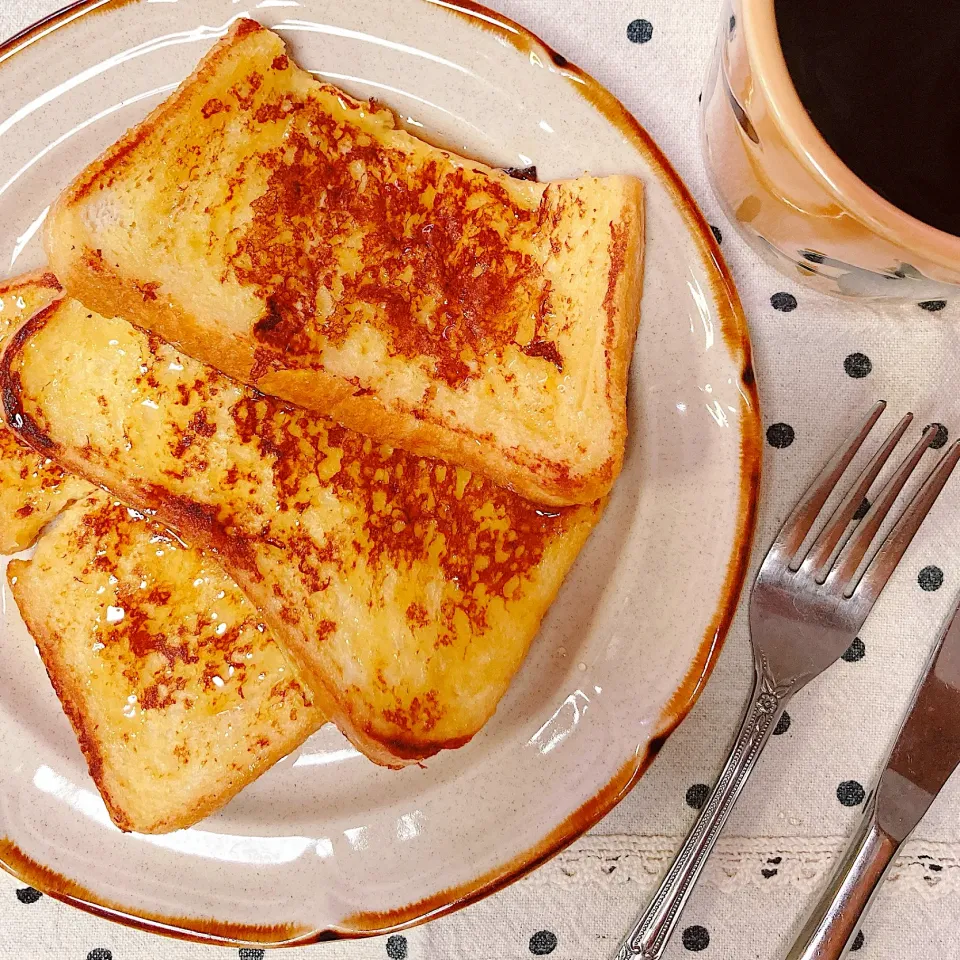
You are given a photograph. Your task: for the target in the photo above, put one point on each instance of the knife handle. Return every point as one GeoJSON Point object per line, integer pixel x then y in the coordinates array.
{"type": "Point", "coordinates": [833, 923]}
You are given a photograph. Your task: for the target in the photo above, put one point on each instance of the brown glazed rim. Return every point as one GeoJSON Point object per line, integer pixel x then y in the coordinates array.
{"type": "Point", "coordinates": [737, 339]}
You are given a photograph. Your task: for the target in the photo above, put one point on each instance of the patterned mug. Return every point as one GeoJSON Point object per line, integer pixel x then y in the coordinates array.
{"type": "Point", "coordinates": [790, 195]}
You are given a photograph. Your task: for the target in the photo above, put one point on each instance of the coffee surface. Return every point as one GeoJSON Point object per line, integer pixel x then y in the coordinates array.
{"type": "Point", "coordinates": [881, 81]}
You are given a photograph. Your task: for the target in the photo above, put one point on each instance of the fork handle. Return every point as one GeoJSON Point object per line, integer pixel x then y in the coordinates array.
{"type": "Point", "coordinates": [649, 937]}
{"type": "Point", "coordinates": [833, 923]}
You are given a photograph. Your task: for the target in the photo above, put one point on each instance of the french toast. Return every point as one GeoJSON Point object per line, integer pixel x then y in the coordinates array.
{"type": "Point", "coordinates": [304, 243]}
{"type": "Point", "coordinates": [408, 590]}
{"type": "Point", "coordinates": [177, 693]}
{"type": "Point", "coordinates": [33, 489]}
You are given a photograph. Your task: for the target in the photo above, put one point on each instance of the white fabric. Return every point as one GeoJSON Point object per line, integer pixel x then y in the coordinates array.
{"type": "Point", "coordinates": [789, 825]}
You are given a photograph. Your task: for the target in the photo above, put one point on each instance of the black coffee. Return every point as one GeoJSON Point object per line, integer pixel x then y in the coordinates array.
{"type": "Point", "coordinates": [881, 81]}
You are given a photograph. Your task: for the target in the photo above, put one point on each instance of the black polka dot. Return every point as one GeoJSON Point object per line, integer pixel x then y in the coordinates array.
{"type": "Point", "coordinates": [940, 440]}
{"type": "Point", "coordinates": [542, 943]}
{"type": "Point", "coordinates": [861, 511]}
{"type": "Point", "coordinates": [857, 365]}
{"type": "Point", "coordinates": [28, 895]}
{"type": "Point", "coordinates": [857, 942]}
{"type": "Point", "coordinates": [733, 23]}
{"type": "Point", "coordinates": [252, 953]}
{"type": "Point", "coordinates": [784, 302]}
{"type": "Point", "coordinates": [930, 578]}
{"type": "Point", "coordinates": [100, 953]}
{"type": "Point", "coordinates": [783, 724]}
{"type": "Point", "coordinates": [772, 870]}
{"type": "Point", "coordinates": [780, 435]}
{"type": "Point", "coordinates": [639, 31]}
{"type": "Point", "coordinates": [854, 652]}
{"type": "Point", "coordinates": [696, 938]}
{"type": "Point", "coordinates": [697, 795]}
{"type": "Point", "coordinates": [700, 97]}
{"type": "Point", "coordinates": [717, 233]}
{"type": "Point", "coordinates": [933, 306]}
{"type": "Point", "coordinates": [850, 793]}
{"type": "Point", "coordinates": [813, 257]}
{"type": "Point", "coordinates": [397, 947]}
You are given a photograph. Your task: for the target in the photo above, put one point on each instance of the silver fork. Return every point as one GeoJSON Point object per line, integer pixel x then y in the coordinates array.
{"type": "Point", "coordinates": [806, 608]}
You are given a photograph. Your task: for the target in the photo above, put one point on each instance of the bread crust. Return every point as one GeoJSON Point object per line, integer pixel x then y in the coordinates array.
{"type": "Point", "coordinates": [41, 278]}
{"type": "Point", "coordinates": [32, 489]}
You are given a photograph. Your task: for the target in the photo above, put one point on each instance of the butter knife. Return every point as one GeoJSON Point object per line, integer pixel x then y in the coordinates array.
{"type": "Point", "coordinates": [926, 752]}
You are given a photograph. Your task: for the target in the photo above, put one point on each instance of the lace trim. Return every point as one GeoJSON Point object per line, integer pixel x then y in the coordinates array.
{"type": "Point", "coordinates": [927, 867]}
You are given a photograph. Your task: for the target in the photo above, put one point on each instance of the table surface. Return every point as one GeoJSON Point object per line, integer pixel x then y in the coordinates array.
{"type": "Point", "coordinates": [819, 364]}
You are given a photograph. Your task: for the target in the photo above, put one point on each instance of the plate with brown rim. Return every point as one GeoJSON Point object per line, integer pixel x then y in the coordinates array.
{"type": "Point", "coordinates": [326, 844]}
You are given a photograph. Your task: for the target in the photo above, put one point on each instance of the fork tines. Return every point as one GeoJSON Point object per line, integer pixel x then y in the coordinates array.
{"type": "Point", "coordinates": [840, 574]}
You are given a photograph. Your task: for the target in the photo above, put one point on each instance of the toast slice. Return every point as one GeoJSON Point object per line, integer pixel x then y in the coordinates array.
{"type": "Point", "coordinates": [33, 489]}
{"type": "Point", "coordinates": [408, 590]}
{"type": "Point", "coordinates": [302, 242]}
{"type": "Point", "coordinates": [177, 693]}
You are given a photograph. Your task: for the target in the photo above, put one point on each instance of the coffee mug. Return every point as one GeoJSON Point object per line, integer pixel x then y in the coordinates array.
{"type": "Point", "coordinates": [790, 195]}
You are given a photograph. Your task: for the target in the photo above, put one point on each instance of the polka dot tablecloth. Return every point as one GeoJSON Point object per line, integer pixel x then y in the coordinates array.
{"type": "Point", "coordinates": [819, 365]}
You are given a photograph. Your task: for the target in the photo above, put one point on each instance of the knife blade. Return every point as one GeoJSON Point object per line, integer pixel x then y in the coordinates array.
{"type": "Point", "coordinates": [927, 749]}
{"type": "Point", "coordinates": [924, 755]}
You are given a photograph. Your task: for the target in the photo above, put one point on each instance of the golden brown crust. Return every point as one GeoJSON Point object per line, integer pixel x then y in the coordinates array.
{"type": "Point", "coordinates": [32, 488]}
{"type": "Point", "coordinates": [622, 307]}
{"type": "Point", "coordinates": [70, 692]}
{"type": "Point", "coordinates": [41, 278]}
{"type": "Point", "coordinates": [536, 479]}
{"type": "Point", "coordinates": [92, 280]}
{"type": "Point", "coordinates": [476, 330]}
{"type": "Point", "coordinates": [113, 295]}
{"type": "Point", "coordinates": [92, 175]}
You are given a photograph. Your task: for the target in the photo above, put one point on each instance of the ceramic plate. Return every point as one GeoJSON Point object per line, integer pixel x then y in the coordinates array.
{"type": "Point", "coordinates": [326, 844]}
